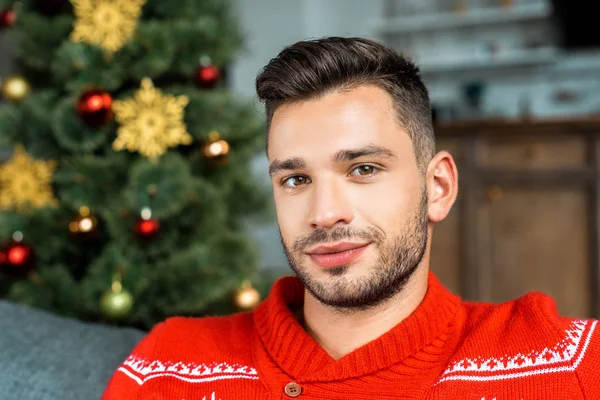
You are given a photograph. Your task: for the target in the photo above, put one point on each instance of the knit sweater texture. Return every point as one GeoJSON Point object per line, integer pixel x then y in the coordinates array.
{"type": "Point", "coordinates": [446, 349]}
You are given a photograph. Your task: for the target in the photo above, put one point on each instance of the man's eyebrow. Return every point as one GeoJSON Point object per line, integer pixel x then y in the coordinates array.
{"type": "Point", "coordinates": [289, 164]}
{"type": "Point", "coordinates": [370, 150]}
{"type": "Point", "coordinates": [295, 163]}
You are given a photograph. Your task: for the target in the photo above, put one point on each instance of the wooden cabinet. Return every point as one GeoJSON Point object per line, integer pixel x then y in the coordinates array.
{"type": "Point", "coordinates": [527, 216]}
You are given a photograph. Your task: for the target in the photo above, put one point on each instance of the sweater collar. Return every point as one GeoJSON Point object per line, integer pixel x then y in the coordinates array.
{"type": "Point", "coordinates": [301, 357]}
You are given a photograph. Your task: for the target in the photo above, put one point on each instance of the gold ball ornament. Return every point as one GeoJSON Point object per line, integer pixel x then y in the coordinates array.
{"type": "Point", "coordinates": [246, 297]}
{"type": "Point", "coordinates": [84, 224]}
{"type": "Point", "coordinates": [215, 150]}
{"type": "Point", "coordinates": [15, 88]}
{"type": "Point", "coordinates": [116, 303]}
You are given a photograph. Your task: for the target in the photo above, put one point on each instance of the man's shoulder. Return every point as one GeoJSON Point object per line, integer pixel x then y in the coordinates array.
{"type": "Point", "coordinates": [199, 332]}
{"type": "Point", "coordinates": [529, 325]}
{"type": "Point", "coordinates": [218, 326]}
{"type": "Point", "coordinates": [195, 350]}
{"type": "Point", "coordinates": [194, 338]}
{"type": "Point", "coordinates": [522, 337]}
{"type": "Point", "coordinates": [530, 312]}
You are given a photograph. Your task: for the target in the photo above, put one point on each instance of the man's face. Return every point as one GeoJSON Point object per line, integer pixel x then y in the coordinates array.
{"type": "Point", "coordinates": [351, 201]}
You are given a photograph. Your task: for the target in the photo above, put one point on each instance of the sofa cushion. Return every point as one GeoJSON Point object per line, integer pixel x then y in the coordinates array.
{"type": "Point", "coordinates": [47, 357]}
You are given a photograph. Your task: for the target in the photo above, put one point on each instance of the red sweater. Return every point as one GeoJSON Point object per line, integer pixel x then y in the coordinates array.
{"type": "Point", "coordinates": [446, 349]}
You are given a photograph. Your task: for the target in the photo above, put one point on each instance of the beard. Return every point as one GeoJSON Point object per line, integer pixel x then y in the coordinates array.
{"type": "Point", "coordinates": [399, 257]}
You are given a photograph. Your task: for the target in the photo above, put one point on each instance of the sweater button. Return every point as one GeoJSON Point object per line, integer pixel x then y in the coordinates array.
{"type": "Point", "coordinates": [292, 389]}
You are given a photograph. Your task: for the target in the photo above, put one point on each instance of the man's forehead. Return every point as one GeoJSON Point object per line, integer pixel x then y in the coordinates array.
{"type": "Point", "coordinates": [338, 106]}
{"type": "Point", "coordinates": [340, 119]}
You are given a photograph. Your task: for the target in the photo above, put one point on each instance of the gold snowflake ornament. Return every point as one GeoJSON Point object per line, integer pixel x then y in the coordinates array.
{"type": "Point", "coordinates": [26, 182]}
{"type": "Point", "coordinates": [107, 23]}
{"type": "Point", "coordinates": [151, 122]}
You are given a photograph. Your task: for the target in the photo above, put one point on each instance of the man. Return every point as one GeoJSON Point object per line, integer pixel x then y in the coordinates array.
{"type": "Point", "coordinates": [358, 188]}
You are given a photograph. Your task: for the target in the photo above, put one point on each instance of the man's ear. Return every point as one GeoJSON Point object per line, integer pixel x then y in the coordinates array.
{"type": "Point", "coordinates": [442, 186]}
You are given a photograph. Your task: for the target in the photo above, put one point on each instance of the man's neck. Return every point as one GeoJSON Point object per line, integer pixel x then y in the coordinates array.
{"type": "Point", "coordinates": [340, 333]}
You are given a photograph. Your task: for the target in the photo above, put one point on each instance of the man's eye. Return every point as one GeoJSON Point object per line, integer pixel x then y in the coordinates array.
{"type": "Point", "coordinates": [364, 170]}
{"type": "Point", "coordinates": [295, 181]}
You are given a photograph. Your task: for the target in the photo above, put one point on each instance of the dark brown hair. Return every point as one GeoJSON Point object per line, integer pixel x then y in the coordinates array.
{"type": "Point", "coordinates": [312, 68]}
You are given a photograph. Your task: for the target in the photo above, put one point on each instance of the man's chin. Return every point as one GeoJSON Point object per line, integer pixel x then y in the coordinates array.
{"type": "Point", "coordinates": [332, 285]}
{"type": "Point", "coordinates": [344, 297]}
{"type": "Point", "coordinates": [351, 288]}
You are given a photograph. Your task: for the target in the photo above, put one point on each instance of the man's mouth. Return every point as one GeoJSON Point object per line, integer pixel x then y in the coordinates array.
{"type": "Point", "coordinates": [337, 255]}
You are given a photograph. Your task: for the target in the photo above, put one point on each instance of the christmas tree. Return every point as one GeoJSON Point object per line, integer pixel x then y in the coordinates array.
{"type": "Point", "coordinates": [125, 197]}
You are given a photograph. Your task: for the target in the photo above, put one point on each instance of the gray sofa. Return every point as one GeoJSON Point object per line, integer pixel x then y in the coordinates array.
{"type": "Point", "coordinates": [46, 357]}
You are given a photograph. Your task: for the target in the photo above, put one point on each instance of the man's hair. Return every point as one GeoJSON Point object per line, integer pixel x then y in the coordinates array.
{"type": "Point", "coordinates": [309, 69]}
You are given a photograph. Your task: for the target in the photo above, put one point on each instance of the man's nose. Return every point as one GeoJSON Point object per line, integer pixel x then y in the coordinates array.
{"type": "Point", "coordinates": [329, 205]}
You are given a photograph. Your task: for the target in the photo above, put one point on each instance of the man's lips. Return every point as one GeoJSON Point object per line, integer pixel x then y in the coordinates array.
{"type": "Point", "coordinates": [337, 255]}
{"type": "Point", "coordinates": [336, 248]}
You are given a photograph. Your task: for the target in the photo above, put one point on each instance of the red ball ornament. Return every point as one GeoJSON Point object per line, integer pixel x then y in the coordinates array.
{"type": "Point", "coordinates": [147, 228]}
{"type": "Point", "coordinates": [207, 76]}
{"type": "Point", "coordinates": [7, 18]}
{"type": "Point", "coordinates": [18, 258]}
{"type": "Point", "coordinates": [95, 107]}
